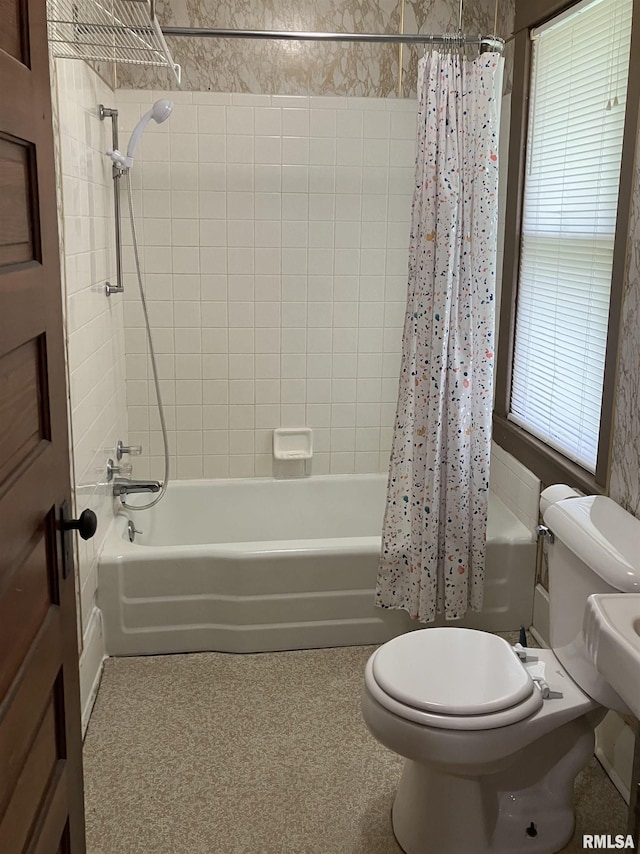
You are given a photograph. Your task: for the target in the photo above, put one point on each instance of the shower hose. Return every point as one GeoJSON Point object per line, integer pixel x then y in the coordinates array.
{"type": "Point", "coordinates": [154, 367]}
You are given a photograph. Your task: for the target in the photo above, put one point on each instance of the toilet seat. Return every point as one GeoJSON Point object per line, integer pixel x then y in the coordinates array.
{"type": "Point", "coordinates": [411, 676]}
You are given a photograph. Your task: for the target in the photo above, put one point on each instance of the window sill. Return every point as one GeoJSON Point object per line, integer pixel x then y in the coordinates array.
{"type": "Point", "coordinates": [546, 463]}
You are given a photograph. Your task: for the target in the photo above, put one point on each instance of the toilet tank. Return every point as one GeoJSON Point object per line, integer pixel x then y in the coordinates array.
{"type": "Point", "coordinates": [596, 549]}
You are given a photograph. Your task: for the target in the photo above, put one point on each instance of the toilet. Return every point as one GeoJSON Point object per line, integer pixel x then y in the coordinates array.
{"type": "Point", "coordinates": [495, 735]}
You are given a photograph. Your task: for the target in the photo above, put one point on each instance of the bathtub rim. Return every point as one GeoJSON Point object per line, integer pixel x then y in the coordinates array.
{"type": "Point", "coordinates": [117, 547]}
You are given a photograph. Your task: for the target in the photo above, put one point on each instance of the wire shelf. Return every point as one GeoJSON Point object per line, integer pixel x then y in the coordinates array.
{"type": "Point", "coordinates": [121, 31]}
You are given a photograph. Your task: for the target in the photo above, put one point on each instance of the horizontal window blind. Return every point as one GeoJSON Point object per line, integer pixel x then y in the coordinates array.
{"type": "Point", "coordinates": [574, 147]}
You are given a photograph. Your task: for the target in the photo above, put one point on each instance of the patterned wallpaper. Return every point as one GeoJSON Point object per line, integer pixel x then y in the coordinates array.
{"type": "Point", "coordinates": [625, 460]}
{"type": "Point", "coordinates": [307, 68]}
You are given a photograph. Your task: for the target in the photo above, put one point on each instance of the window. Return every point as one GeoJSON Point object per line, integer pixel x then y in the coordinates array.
{"type": "Point", "coordinates": [567, 215]}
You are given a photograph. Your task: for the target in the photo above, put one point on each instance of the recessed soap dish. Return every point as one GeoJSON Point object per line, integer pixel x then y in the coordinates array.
{"type": "Point", "coordinates": [292, 443]}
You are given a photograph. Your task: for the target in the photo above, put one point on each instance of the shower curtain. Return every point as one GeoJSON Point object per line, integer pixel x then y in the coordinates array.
{"type": "Point", "coordinates": [433, 543]}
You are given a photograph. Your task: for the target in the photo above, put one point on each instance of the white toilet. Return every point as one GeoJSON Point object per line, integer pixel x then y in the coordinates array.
{"type": "Point", "coordinates": [493, 743]}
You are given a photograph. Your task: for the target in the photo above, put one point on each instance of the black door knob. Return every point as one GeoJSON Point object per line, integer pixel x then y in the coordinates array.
{"type": "Point", "coordinates": [86, 525]}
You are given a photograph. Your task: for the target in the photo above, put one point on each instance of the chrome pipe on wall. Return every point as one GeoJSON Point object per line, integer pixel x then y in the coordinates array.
{"type": "Point", "coordinates": [104, 113]}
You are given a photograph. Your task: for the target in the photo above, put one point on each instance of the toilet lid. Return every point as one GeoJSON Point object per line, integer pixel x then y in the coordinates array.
{"type": "Point", "coordinates": [452, 671]}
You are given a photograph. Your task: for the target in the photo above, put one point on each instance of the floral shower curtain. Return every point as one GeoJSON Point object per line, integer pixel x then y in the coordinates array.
{"type": "Point", "coordinates": [433, 544]}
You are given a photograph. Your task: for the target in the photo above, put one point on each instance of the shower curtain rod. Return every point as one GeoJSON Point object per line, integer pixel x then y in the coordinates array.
{"type": "Point", "coordinates": [492, 43]}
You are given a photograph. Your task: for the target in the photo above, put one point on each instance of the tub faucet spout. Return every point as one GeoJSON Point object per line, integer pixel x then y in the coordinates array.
{"type": "Point", "coordinates": [126, 486]}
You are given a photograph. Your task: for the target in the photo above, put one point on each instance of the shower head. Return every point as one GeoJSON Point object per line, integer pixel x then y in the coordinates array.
{"type": "Point", "coordinates": [159, 112]}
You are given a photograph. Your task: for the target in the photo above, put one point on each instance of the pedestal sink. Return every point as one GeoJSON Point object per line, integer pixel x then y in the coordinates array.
{"type": "Point", "coordinates": [612, 638]}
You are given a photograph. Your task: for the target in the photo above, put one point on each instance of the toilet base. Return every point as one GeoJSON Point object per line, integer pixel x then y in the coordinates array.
{"type": "Point", "coordinates": [525, 808]}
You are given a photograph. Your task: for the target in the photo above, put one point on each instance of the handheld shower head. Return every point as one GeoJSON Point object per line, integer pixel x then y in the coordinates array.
{"type": "Point", "coordinates": [159, 112]}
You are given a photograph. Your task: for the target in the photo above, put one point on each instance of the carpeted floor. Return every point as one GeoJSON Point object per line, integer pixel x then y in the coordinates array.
{"type": "Point", "coordinates": [254, 754]}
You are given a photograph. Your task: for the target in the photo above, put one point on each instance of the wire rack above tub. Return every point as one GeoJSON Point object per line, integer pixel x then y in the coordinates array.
{"type": "Point", "coordinates": [120, 31]}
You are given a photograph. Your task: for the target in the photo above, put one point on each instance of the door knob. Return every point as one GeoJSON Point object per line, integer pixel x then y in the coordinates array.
{"type": "Point", "coordinates": [86, 525]}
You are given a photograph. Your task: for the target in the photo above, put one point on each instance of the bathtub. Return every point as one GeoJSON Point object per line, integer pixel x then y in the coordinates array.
{"type": "Point", "coordinates": [262, 564]}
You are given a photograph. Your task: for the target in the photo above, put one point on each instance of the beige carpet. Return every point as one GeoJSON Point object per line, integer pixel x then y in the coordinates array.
{"type": "Point", "coordinates": [254, 754]}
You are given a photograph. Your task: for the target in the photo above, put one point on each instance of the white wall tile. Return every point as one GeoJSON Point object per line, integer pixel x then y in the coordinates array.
{"type": "Point", "coordinates": [275, 264]}
{"type": "Point", "coordinates": [95, 324]}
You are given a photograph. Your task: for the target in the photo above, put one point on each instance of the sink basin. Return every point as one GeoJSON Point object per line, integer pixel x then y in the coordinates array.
{"type": "Point", "coordinates": [612, 638]}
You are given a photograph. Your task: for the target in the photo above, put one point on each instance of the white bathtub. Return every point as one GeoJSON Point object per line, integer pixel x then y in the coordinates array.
{"type": "Point", "coordinates": [261, 564]}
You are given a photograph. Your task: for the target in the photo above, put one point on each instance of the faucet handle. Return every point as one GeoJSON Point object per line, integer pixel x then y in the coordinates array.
{"type": "Point", "coordinates": [131, 450]}
{"type": "Point", "coordinates": [122, 469]}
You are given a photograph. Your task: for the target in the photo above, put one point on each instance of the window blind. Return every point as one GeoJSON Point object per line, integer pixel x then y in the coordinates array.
{"type": "Point", "coordinates": [576, 121]}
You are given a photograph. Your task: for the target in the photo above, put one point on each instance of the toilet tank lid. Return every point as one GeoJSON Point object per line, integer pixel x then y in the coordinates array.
{"type": "Point", "coordinates": [555, 493]}
{"type": "Point", "coordinates": [602, 535]}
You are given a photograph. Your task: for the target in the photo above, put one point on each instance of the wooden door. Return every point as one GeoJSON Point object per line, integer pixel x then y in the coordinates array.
{"type": "Point", "coordinates": [41, 807]}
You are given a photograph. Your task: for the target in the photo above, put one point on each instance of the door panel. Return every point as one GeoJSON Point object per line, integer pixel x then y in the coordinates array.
{"type": "Point", "coordinates": [13, 32]}
{"type": "Point", "coordinates": [41, 807]}
{"type": "Point", "coordinates": [23, 606]}
{"type": "Point", "coordinates": [31, 785]}
{"type": "Point", "coordinates": [17, 199]}
{"type": "Point", "coordinates": [30, 696]}
{"type": "Point", "coordinates": [23, 423]}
